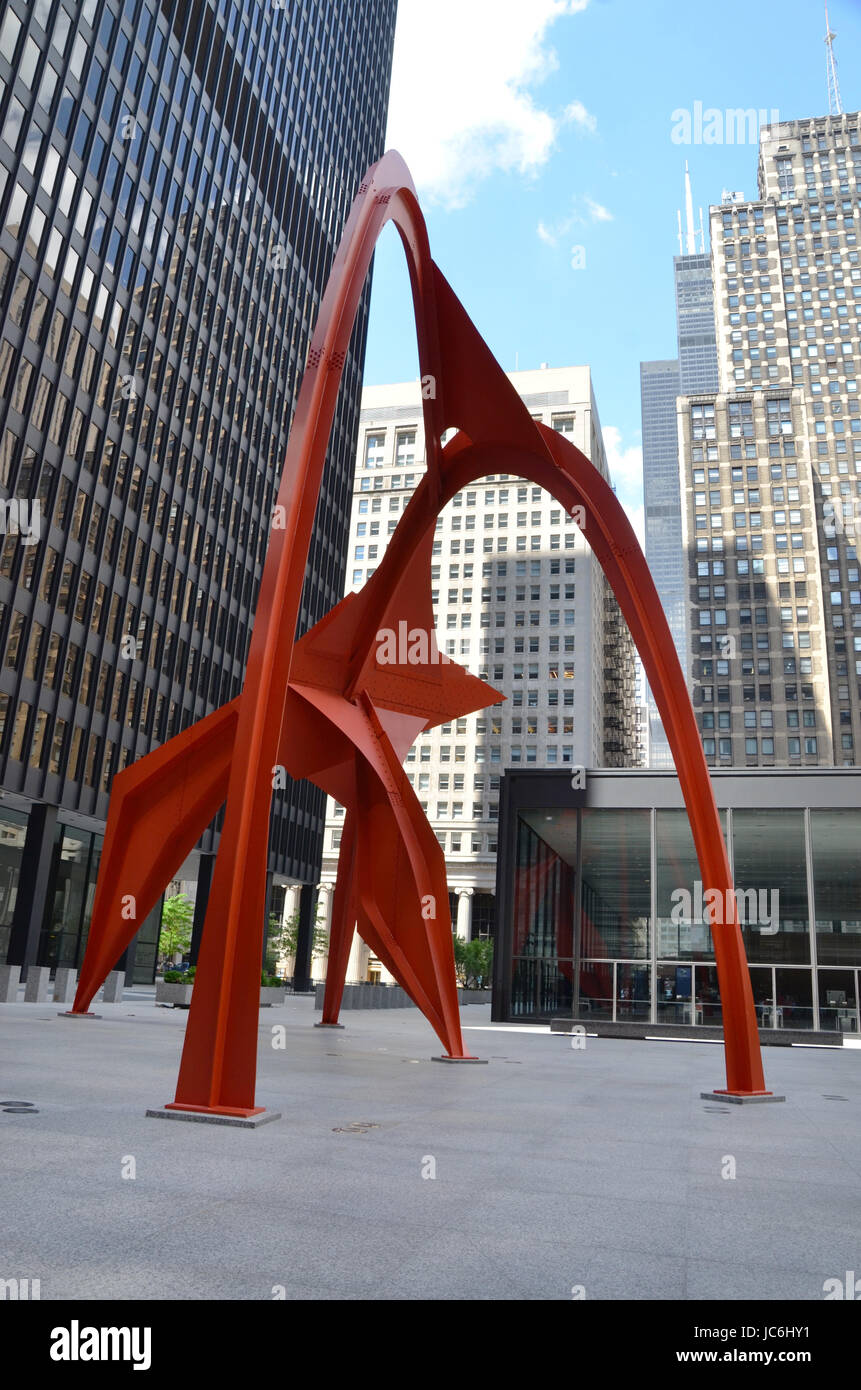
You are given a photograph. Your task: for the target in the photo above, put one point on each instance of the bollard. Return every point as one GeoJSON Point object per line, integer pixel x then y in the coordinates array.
{"type": "Point", "coordinates": [65, 984]}
{"type": "Point", "coordinates": [36, 988]}
{"type": "Point", "coordinates": [10, 978]}
{"type": "Point", "coordinates": [114, 986]}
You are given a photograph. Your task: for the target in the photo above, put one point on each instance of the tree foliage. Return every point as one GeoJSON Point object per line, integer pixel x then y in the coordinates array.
{"type": "Point", "coordinates": [283, 939]}
{"type": "Point", "coordinates": [473, 961]}
{"type": "Point", "coordinates": [177, 916]}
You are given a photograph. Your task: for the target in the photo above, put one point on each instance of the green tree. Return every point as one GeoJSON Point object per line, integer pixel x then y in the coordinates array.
{"type": "Point", "coordinates": [177, 915]}
{"type": "Point", "coordinates": [283, 939]}
{"type": "Point", "coordinates": [473, 962]}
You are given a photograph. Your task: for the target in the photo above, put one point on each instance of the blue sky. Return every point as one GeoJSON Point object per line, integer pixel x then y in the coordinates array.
{"type": "Point", "coordinates": [536, 126]}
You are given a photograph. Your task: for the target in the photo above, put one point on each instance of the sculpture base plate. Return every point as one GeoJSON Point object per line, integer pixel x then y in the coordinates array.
{"type": "Point", "coordinates": [70, 1013]}
{"type": "Point", "coordinates": [482, 1061]}
{"type": "Point", "coordinates": [241, 1119]}
{"type": "Point", "coordinates": [753, 1098]}
{"type": "Point", "coordinates": [329, 1025]}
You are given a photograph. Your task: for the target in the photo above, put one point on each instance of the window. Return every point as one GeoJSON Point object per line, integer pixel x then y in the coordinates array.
{"type": "Point", "coordinates": [374, 450]}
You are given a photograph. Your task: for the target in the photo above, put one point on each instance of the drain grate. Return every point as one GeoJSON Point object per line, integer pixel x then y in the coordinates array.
{"type": "Point", "coordinates": [18, 1107]}
{"type": "Point", "coordinates": [355, 1127]}
{"type": "Point", "coordinates": [715, 1110]}
{"type": "Point", "coordinates": [824, 1097]}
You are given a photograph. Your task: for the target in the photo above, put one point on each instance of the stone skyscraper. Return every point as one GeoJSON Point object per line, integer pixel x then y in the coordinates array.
{"type": "Point", "coordinates": [771, 463]}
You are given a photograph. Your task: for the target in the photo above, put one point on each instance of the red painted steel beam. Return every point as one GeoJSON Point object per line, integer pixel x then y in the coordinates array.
{"type": "Point", "coordinates": [331, 710]}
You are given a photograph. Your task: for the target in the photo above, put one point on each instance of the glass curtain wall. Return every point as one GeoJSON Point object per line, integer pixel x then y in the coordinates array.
{"type": "Point", "coordinates": [13, 830]}
{"type": "Point", "coordinates": [583, 907]}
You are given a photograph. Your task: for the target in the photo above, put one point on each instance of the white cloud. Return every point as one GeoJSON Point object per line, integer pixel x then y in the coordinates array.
{"type": "Point", "coordinates": [626, 474]}
{"type": "Point", "coordinates": [461, 103]}
{"type": "Point", "coordinates": [584, 211]}
{"type": "Point", "coordinates": [575, 113]}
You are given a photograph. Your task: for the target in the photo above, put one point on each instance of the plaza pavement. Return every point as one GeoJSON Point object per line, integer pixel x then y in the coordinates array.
{"type": "Point", "coordinates": [554, 1167]}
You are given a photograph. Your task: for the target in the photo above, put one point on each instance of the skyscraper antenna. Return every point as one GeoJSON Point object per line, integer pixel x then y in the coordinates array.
{"type": "Point", "coordinates": [835, 106]}
{"type": "Point", "coordinates": [690, 234]}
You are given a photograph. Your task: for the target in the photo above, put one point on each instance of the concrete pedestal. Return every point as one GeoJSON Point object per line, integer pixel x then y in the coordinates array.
{"type": "Point", "coordinates": [65, 984]}
{"type": "Point", "coordinates": [114, 986]}
{"type": "Point", "coordinates": [10, 978]}
{"type": "Point", "coordinates": [36, 988]}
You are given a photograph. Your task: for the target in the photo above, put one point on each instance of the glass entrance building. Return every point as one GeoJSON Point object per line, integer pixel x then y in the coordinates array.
{"type": "Point", "coordinates": [601, 905]}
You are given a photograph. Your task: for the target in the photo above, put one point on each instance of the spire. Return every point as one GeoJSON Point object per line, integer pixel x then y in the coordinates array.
{"type": "Point", "coordinates": [835, 106]}
{"type": "Point", "coordinates": [688, 239]}
{"type": "Point", "coordinates": [690, 233]}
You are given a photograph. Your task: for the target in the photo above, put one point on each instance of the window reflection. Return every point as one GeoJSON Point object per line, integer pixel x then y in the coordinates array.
{"type": "Point", "coordinates": [770, 859]}
{"type": "Point", "coordinates": [616, 883]}
{"type": "Point", "coordinates": [835, 839]}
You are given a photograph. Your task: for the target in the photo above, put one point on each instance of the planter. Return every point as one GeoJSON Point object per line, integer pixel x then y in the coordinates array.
{"type": "Point", "coordinates": [173, 993]}
{"type": "Point", "coordinates": [274, 994]}
{"type": "Point", "coordinates": [474, 996]}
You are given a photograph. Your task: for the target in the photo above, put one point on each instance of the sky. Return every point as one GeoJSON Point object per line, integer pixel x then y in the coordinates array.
{"type": "Point", "coordinates": [547, 142]}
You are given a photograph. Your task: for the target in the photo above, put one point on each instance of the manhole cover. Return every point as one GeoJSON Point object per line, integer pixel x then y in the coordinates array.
{"type": "Point", "coordinates": [355, 1127]}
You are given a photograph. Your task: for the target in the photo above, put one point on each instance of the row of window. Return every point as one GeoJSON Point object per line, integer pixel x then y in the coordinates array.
{"type": "Point", "coordinates": [764, 719]}
{"type": "Point", "coordinates": [764, 747]}
{"type": "Point", "coordinates": [705, 694]}
{"type": "Point", "coordinates": [405, 445]}
{"type": "Point", "coordinates": [453, 842]}
{"type": "Point", "coordinates": [490, 545]}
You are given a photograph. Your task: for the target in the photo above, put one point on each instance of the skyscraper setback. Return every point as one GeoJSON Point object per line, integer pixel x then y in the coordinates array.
{"type": "Point", "coordinates": [173, 182]}
{"type": "Point", "coordinates": [695, 369]}
{"type": "Point", "coordinates": [771, 463]}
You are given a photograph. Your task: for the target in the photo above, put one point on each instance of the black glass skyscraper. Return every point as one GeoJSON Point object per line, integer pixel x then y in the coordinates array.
{"type": "Point", "coordinates": [174, 178]}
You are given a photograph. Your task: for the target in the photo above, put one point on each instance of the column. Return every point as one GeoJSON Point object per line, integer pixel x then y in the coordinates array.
{"type": "Point", "coordinates": [267, 907]}
{"type": "Point", "coordinates": [32, 898]}
{"type": "Point", "coordinates": [326, 896]}
{"type": "Point", "coordinates": [302, 963]}
{"type": "Point", "coordinates": [464, 913]}
{"type": "Point", "coordinates": [357, 968]}
{"type": "Point", "coordinates": [291, 901]}
{"type": "Point", "coordinates": [205, 866]}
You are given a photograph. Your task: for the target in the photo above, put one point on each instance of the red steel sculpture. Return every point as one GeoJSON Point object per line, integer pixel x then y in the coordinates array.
{"type": "Point", "coordinates": [331, 708]}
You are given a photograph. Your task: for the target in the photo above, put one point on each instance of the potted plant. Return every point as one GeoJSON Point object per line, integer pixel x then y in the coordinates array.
{"type": "Point", "coordinates": [175, 988]}
{"type": "Point", "coordinates": [272, 990]}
